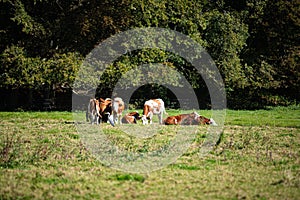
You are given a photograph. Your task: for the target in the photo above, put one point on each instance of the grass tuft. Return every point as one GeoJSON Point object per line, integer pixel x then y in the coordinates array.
{"type": "Point", "coordinates": [128, 177]}
{"type": "Point", "coordinates": [185, 167]}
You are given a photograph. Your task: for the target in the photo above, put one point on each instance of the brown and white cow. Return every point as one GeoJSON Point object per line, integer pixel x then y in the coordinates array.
{"type": "Point", "coordinates": [131, 118]}
{"type": "Point", "coordinates": [93, 111]}
{"type": "Point", "coordinates": [153, 107]}
{"type": "Point", "coordinates": [189, 119]}
{"type": "Point", "coordinates": [118, 107]}
{"type": "Point", "coordinates": [105, 109]}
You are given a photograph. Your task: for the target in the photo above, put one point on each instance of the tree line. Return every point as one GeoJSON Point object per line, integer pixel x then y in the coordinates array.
{"type": "Point", "coordinates": [254, 44]}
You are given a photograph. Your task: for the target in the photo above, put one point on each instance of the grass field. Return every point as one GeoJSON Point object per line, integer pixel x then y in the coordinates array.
{"type": "Point", "coordinates": [257, 157]}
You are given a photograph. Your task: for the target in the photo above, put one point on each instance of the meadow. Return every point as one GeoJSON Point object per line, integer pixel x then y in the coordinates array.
{"type": "Point", "coordinates": [42, 156]}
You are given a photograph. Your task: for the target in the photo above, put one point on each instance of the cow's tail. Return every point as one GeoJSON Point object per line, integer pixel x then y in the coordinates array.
{"type": "Point", "coordinates": [164, 108]}
{"type": "Point", "coordinates": [165, 112]}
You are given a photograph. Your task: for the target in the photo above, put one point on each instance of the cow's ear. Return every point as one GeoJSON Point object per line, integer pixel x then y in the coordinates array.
{"type": "Point", "coordinates": [102, 100]}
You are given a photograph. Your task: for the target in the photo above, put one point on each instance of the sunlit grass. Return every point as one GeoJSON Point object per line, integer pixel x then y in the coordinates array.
{"type": "Point", "coordinates": [258, 157]}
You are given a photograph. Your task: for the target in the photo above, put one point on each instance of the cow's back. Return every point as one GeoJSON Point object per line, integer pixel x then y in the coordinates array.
{"type": "Point", "coordinates": [154, 105]}
{"type": "Point", "coordinates": [118, 105]}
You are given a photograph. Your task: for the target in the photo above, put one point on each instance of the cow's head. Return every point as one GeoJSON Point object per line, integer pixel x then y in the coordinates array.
{"type": "Point", "coordinates": [203, 120]}
{"type": "Point", "coordinates": [212, 122]}
{"type": "Point", "coordinates": [198, 119]}
{"type": "Point", "coordinates": [207, 121]}
{"type": "Point", "coordinates": [144, 119]}
{"type": "Point", "coordinates": [146, 112]}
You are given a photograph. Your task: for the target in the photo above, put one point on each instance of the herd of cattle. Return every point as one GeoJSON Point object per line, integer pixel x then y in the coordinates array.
{"type": "Point", "coordinates": [110, 110]}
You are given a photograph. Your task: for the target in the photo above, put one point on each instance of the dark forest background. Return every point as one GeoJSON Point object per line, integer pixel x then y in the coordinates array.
{"type": "Point", "coordinates": [254, 43]}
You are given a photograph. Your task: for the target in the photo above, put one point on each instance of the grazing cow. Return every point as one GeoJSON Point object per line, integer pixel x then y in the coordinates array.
{"type": "Point", "coordinates": [153, 107]}
{"type": "Point", "coordinates": [117, 109]}
{"type": "Point", "coordinates": [189, 119]}
{"type": "Point", "coordinates": [92, 113]}
{"type": "Point", "coordinates": [130, 118]}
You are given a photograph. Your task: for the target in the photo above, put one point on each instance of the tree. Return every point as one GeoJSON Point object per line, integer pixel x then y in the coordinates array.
{"type": "Point", "coordinates": [254, 43]}
{"type": "Point", "coordinates": [273, 48]}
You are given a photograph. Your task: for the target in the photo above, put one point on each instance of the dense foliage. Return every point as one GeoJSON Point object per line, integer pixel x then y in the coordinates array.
{"type": "Point", "coordinates": [254, 43]}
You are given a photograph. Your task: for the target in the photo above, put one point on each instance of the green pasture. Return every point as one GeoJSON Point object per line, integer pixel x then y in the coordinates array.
{"type": "Point", "coordinates": [257, 157]}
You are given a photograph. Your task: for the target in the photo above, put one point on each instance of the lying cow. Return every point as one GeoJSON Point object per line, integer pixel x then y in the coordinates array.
{"type": "Point", "coordinates": [131, 118]}
{"type": "Point", "coordinates": [117, 109]}
{"type": "Point", "coordinates": [93, 111]}
{"type": "Point", "coordinates": [189, 119]}
{"type": "Point", "coordinates": [153, 107]}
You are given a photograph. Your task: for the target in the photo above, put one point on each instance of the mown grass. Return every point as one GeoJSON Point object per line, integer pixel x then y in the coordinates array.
{"type": "Point", "coordinates": [42, 157]}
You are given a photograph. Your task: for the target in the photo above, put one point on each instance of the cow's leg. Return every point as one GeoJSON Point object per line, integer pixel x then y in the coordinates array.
{"type": "Point", "coordinates": [87, 116]}
{"type": "Point", "coordinates": [120, 118]}
{"type": "Point", "coordinates": [97, 119]}
{"type": "Point", "coordinates": [92, 118]}
{"type": "Point", "coordinates": [115, 117]}
{"type": "Point", "coordinates": [160, 118]}
{"type": "Point", "coordinates": [150, 117]}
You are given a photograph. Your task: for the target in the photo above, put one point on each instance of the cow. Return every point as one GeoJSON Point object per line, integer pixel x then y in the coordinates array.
{"type": "Point", "coordinates": [131, 118]}
{"type": "Point", "coordinates": [105, 107]}
{"type": "Point", "coordinates": [153, 107]}
{"type": "Point", "coordinates": [93, 111]}
{"type": "Point", "coordinates": [189, 119]}
{"type": "Point", "coordinates": [118, 107]}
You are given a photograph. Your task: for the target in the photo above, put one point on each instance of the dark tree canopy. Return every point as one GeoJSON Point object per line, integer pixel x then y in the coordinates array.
{"type": "Point", "coordinates": [254, 43]}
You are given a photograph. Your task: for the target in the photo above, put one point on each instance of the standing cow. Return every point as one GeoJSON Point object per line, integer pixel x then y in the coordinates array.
{"type": "Point", "coordinates": [118, 107]}
{"type": "Point", "coordinates": [153, 107]}
{"type": "Point", "coordinates": [105, 108]}
{"type": "Point", "coordinates": [93, 111]}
